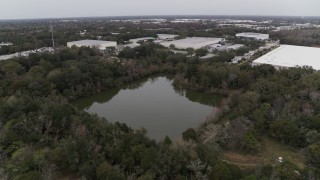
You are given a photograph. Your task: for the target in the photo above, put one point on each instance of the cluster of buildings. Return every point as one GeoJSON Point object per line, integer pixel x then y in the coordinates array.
{"type": "Point", "coordinates": [142, 21]}
{"type": "Point", "coordinates": [296, 26]}
{"type": "Point", "coordinates": [212, 43]}
{"type": "Point", "coordinates": [284, 56]}
{"type": "Point", "coordinates": [248, 26]}
{"type": "Point", "coordinates": [186, 20]}
{"type": "Point", "coordinates": [176, 45]}
{"type": "Point", "coordinates": [132, 43]}
{"type": "Point", "coordinates": [222, 23]}
{"type": "Point", "coordinates": [263, 25]}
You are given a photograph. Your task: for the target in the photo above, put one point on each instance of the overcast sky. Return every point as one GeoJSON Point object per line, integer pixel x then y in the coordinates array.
{"type": "Point", "coordinates": [17, 9]}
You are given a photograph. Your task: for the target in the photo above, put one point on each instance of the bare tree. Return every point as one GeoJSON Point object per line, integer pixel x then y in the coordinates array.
{"type": "Point", "coordinates": [198, 167]}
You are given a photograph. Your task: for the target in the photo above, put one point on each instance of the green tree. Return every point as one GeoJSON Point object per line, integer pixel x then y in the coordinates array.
{"type": "Point", "coordinates": [287, 131]}
{"type": "Point", "coordinates": [190, 134]}
{"type": "Point", "coordinates": [105, 171]}
{"type": "Point", "coordinates": [201, 51]}
{"type": "Point", "coordinates": [314, 154]}
{"type": "Point", "coordinates": [220, 171]}
{"type": "Point", "coordinates": [249, 143]}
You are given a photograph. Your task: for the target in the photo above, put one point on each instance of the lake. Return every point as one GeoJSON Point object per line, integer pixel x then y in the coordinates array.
{"type": "Point", "coordinates": [154, 104]}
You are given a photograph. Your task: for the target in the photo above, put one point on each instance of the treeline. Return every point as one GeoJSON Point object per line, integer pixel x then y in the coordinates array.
{"type": "Point", "coordinates": [73, 73]}
{"type": "Point", "coordinates": [302, 37]}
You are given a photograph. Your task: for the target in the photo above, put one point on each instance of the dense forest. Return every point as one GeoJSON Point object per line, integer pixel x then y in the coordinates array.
{"type": "Point", "coordinates": [301, 37]}
{"type": "Point", "coordinates": [42, 136]}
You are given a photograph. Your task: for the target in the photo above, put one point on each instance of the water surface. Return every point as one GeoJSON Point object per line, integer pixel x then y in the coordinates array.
{"type": "Point", "coordinates": [153, 104]}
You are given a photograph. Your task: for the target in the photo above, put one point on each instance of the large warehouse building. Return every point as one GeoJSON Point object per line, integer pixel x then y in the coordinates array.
{"type": "Point", "coordinates": [287, 56]}
{"type": "Point", "coordinates": [193, 42]}
{"type": "Point", "coordinates": [257, 36]}
{"type": "Point", "coordinates": [102, 45]}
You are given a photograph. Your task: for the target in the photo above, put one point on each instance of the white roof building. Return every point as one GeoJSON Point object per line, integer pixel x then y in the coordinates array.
{"type": "Point", "coordinates": [27, 53]}
{"type": "Point", "coordinates": [249, 26]}
{"type": "Point", "coordinates": [291, 56]}
{"type": "Point", "coordinates": [5, 44]}
{"type": "Point", "coordinates": [235, 46]}
{"type": "Point", "coordinates": [120, 47]}
{"type": "Point", "coordinates": [102, 45]}
{"type": "Point", "coordinates": [193, 42]}
{"type": "Point", "coordinates": [167, 37]}
{"type": "Point", "coordinates": [207, 56]}
{"type": "Point", "coordinates": [257, 36]}
{"type": "Point", "coordinates": [141, 39]}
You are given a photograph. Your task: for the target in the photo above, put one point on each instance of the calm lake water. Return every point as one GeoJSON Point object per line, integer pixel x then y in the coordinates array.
{"type": "Point", "coordinates": [153, 104]}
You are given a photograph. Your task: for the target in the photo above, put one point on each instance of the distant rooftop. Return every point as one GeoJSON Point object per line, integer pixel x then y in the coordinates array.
{"type": "Point", "coordinates": [167, 36]}
{"type": "Point", "coordinates": [5, 44]}
{"type": "Point", "coordinates": [88, 42]}
{"type": "Point", "coordinates": [291, 56]}
{"type": "Point", "coordinates": [26, 53]}
{"type": "Point", "coordinates": [235, 46]}
{"type": "Point", "coordinates": [253, 35]}
{"type": "Point", "coordinates": [193, 42]}
{"type": "Point", "coordinates": [141, 39]}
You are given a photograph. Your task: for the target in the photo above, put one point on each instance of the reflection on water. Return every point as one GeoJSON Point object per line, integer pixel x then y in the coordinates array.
{"type": "Point", "coordinates": [202, 98]}
{"type": "Point", "coordinates": [103, 97]}
{"type": "Point", "coordinates": [153, 104]}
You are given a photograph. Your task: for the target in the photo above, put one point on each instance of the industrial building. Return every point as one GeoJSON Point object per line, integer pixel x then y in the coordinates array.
{"type": "Point", "coordinates": [257, 36]}
{"type": "Point", "coordinates": [287, 56]}
{"type": "Point", "coordinates": [102, 45]}
{"type": "Point", "coordinates": [193, 42]}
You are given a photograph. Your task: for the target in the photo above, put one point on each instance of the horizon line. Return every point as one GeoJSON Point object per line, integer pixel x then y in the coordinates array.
{"type": "Point", "coordinates": [115, 16]}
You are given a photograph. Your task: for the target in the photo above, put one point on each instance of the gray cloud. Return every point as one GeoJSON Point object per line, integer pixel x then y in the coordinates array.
{"type": "Point", "coordinates": [80, 8]}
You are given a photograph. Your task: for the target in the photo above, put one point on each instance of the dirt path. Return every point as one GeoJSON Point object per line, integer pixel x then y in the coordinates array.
{"type": "Point", "coordinates": [243, 161]}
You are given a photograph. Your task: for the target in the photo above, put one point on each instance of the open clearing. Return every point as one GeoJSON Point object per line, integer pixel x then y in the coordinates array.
{"type": "Point", "coordinates": [270, 152]}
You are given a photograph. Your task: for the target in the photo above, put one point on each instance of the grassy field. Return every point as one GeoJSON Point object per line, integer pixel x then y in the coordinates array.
{"type": "Point", "coordinates": [270, 152]}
